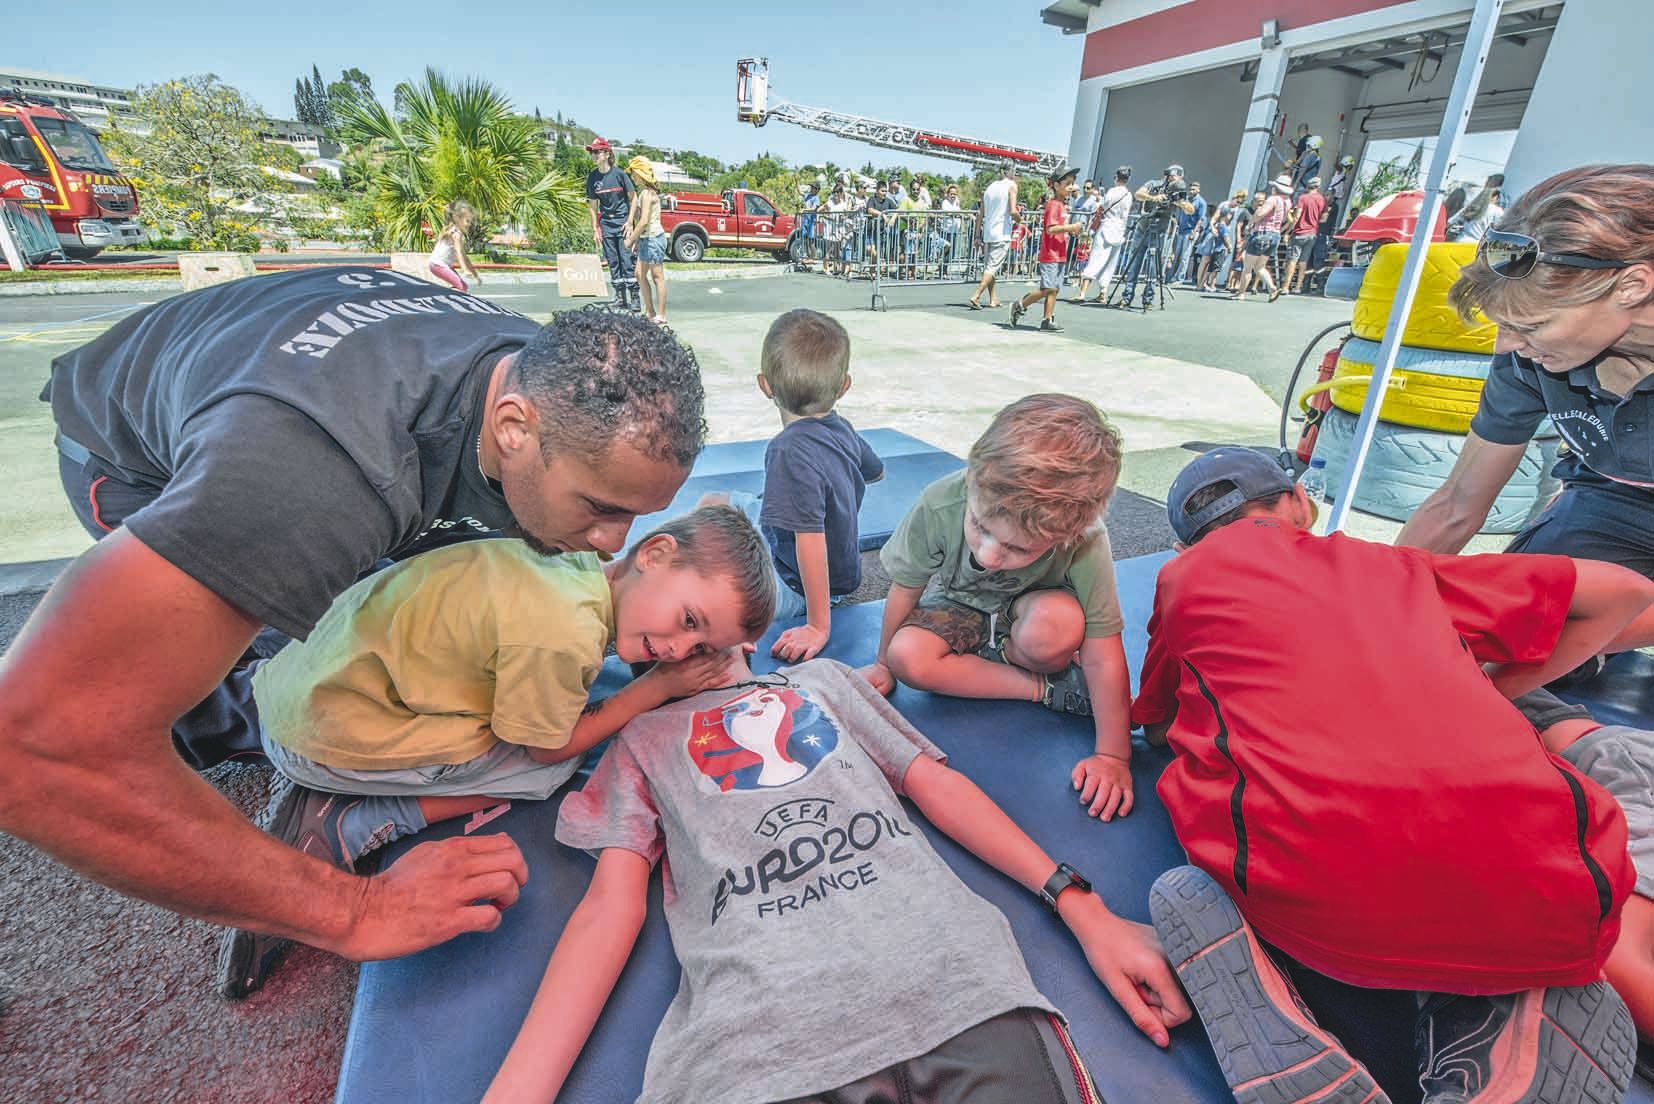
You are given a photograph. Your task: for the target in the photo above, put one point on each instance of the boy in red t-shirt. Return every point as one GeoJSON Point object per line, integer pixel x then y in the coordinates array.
{"type": "Point", "coordinates": [1053, 251]}
{"type": "Point", "coordinates": [1358, 796]}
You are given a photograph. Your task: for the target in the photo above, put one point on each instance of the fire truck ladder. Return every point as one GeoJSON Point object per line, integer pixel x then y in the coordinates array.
{"type": "Point", "coordinates": [753, 105]}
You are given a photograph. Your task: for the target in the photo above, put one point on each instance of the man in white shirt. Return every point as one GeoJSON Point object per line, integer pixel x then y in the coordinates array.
{"type": "Point", "coordinates": [1108, 234]}
{"type": "Point", "coordinates": [999, 200]}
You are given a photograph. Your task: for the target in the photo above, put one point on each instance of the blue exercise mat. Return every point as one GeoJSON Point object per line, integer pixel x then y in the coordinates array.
{"type": "Point", "coordinates": [910, 466]}
{"type": "Point", "coordinates": [435, 1026]}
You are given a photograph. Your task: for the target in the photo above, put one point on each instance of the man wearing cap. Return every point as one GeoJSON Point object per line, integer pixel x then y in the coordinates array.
{"type": "Point", "coordinates": [1158, 200]}
{"type": "Point", "coordinates": [1306, 223]}
{"type": "Point", "coordinates": [609, 195]}
{"type": "Point", "coordinates": [1363, 805]}
{"type": "Point", "coordinates": [1053, 251]}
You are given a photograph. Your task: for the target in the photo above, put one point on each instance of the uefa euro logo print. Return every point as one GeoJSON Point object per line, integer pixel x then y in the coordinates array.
{"type": "Point", "coordinates": [768, 737]}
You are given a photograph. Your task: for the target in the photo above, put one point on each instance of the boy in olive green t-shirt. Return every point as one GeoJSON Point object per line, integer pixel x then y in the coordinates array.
{"type": "Point", "coordinates": [458, 678]}
{"type": "Point", "coordinates": [1001, 578]}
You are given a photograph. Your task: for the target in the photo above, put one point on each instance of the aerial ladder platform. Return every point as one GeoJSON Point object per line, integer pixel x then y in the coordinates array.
{"type": "Point", "coordinates": [753, 104]}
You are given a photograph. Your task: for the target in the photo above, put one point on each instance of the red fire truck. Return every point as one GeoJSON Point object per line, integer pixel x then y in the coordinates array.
{"type": "Point", "coordinates": [736, 219]}
{"type": "Point", "coordinates": [48, 156]}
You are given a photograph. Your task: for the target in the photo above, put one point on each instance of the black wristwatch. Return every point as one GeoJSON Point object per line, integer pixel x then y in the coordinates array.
{"type": "Point", "coordinates": [1064, 877]}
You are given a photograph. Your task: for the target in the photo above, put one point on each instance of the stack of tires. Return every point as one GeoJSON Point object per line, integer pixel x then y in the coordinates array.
{"type": "Point", "coordinates": [1433, 392]}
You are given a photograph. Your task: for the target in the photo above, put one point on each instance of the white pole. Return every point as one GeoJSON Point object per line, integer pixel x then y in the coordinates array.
{"type": "Point", "coordinates": [1459, 102]}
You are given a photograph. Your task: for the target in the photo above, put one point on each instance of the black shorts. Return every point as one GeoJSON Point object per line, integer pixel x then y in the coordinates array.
{"type": "Point", "coordinates": [1021, 1057]}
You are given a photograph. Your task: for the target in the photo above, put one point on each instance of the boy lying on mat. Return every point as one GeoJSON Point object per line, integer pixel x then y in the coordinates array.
{"type": "Point", "coordinates": [826, 947]}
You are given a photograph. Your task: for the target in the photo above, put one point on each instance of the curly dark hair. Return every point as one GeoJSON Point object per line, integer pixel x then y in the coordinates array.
{"type": "Point", "coordinates": [598, 375]}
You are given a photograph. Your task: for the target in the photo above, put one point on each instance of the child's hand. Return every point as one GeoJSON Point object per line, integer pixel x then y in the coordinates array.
{"type": "Point", "coordinates": [702, 672]}
{"type": "Point", "coordinates": [1104, 782]}
{"type": "Point", "coordinates": [799, 643]}
{"type": "Point", "coordinates": [1127, 958]}
{"type": "Point", "coordinates": [879, 676]}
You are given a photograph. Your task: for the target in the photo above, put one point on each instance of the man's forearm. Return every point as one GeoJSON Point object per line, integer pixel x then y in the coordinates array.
{"type": "Point", "coordinates": [145, 825]}
{"type": "Point", "coordinates": [91, 777]}
{"type": "Point", "coordinates": [1438, 526]}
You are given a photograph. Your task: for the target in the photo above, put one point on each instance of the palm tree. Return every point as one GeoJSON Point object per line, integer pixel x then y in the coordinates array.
{"type": "Point", "coordinates": [459, 141]}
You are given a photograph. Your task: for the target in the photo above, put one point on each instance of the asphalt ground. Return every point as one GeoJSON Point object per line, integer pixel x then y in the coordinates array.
{"type": "Point", "coordinates": [106, 999]}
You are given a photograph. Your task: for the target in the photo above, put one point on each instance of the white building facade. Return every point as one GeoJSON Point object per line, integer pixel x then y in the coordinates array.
{"type": "Point", "coordinates": [1221, 86]}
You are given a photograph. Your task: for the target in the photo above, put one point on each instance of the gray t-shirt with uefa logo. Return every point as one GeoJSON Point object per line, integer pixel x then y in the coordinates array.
{"type": "Point", "coordinates": [822, 938]}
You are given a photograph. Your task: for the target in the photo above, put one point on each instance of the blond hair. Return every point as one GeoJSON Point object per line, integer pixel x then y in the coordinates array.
{"type": "Point", "coordinates": [806, 358]}
{"type": "Point", "coordinates": [1047, 464]}
{"type": "Point", "coordinates": [1596, 210]}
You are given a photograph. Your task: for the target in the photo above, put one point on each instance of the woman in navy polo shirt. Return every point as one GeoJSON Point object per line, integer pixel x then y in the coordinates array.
{"type": "Point", "coordinates": [1568, 274]}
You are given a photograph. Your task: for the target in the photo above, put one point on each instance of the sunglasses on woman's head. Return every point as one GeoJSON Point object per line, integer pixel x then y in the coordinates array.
{"type": "Point", "coordinates": [1512, 256]}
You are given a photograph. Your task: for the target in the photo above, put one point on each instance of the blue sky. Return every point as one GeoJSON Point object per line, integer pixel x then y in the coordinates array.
{"type": "Point", "coordinates": [658, 71]}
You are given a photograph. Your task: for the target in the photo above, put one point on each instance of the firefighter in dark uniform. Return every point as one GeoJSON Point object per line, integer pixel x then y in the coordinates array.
{"type": "Point", "coordinates": [609, 195]}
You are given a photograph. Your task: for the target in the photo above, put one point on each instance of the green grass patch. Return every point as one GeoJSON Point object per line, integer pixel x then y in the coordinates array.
{"type": "Point", "coordinates": [52, 276]}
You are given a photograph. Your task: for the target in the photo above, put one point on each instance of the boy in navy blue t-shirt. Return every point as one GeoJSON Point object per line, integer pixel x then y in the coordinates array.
{"type": "Point", "coordinates": [815, 473]}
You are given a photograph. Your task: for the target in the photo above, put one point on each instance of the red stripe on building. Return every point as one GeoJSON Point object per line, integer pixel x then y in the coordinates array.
{"type": "Point", "coordinates": [1203, 25]}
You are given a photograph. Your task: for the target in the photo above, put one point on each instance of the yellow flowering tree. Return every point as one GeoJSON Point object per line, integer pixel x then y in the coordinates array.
{"type": "Point", "coordinates": [197, 161]}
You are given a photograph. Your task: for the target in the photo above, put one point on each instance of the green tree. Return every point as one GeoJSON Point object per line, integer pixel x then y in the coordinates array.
{"type": "Point", "coordinates": [200, 157]}
{"type": "Point", "coordinates": [353, 84]}
{"type": "Point", "coordinates": [460, 140]}
{"type": "Point", "coordinates": [310, 100]}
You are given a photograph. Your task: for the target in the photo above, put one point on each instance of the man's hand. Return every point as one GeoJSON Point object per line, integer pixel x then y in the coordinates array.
{"type": "Point", "coordinates": [1104, 782]}
{"type": "Point", "coordinates": [1127, 959]}
{"type": "Point", "coordinates": [436, 891]}
{"type": "Point", "coordinates": [800, 643]}
{"type": "Point", "coordinates": [879, 677]}
{"type": "Point", "coordinates": [696, 673]}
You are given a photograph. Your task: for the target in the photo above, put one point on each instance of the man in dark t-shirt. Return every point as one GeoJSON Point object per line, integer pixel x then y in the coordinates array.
{"type": "Point", "coordinates": [243, 453]}
{"type": "Point", "coordinates": [609, 196]}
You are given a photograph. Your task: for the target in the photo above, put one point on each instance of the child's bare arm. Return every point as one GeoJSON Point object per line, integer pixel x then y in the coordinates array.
{"type": "Point", "coordinates": [1607, 597]}
{"type": "Point", "coordinates": [1125, 956]}
{"type": "Point", "coordinates": [604, 717]}
{"type": "Point", "coordinates": [582, 972]}
{"type": "Point", "coordinates": [897, 605]}
{"type": "Point", "coordinates": [1104, 777]}
{"type": "Point", "coordinates": [802, 642]}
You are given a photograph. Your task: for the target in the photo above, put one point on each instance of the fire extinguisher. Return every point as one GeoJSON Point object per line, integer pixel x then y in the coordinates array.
{"type": "Point", "coordinates": [1318, 403]}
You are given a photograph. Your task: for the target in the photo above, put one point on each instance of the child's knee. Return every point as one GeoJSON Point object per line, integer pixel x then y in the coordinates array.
{"type": "Point", "coordinates": [1049, 627]}
{"type": "Point", "coordinates": [713, 498]}
{"type": "Point", "coordinates": [912, 654]}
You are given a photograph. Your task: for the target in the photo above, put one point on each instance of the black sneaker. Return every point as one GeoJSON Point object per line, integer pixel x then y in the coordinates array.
{"type": "Point", "coordinates": [306, 820]}
{"type": "Point", "coordinates": [1269, 1046]}
{"type": "Point", "coordinates": [1544, 1046]}
{"type": "Point", "coordinates": [1017, 311]}
{"type": "Point", "coordinates": [1050, 327]}
{"type": "Point", "coordinates": [1580, 675]}
{"type": "Point", "coordinates": [1067, 693]}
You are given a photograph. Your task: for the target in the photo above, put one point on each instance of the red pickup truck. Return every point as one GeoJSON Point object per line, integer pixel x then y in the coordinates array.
{"type": "Point", "coordinates": [736, 219]}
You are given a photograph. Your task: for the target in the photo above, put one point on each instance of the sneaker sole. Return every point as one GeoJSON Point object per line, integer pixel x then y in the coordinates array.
{"type": "Point", "coordinates": [1270, 1051]}
{"type": "Point", "coordinates": [1579, 1046]}
{"type": "Point", "coordinates": [244, 961]}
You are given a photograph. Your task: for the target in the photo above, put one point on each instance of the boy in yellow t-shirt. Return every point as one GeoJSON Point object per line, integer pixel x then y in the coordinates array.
{"type": "Point", "coordinates": [459, 678]}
